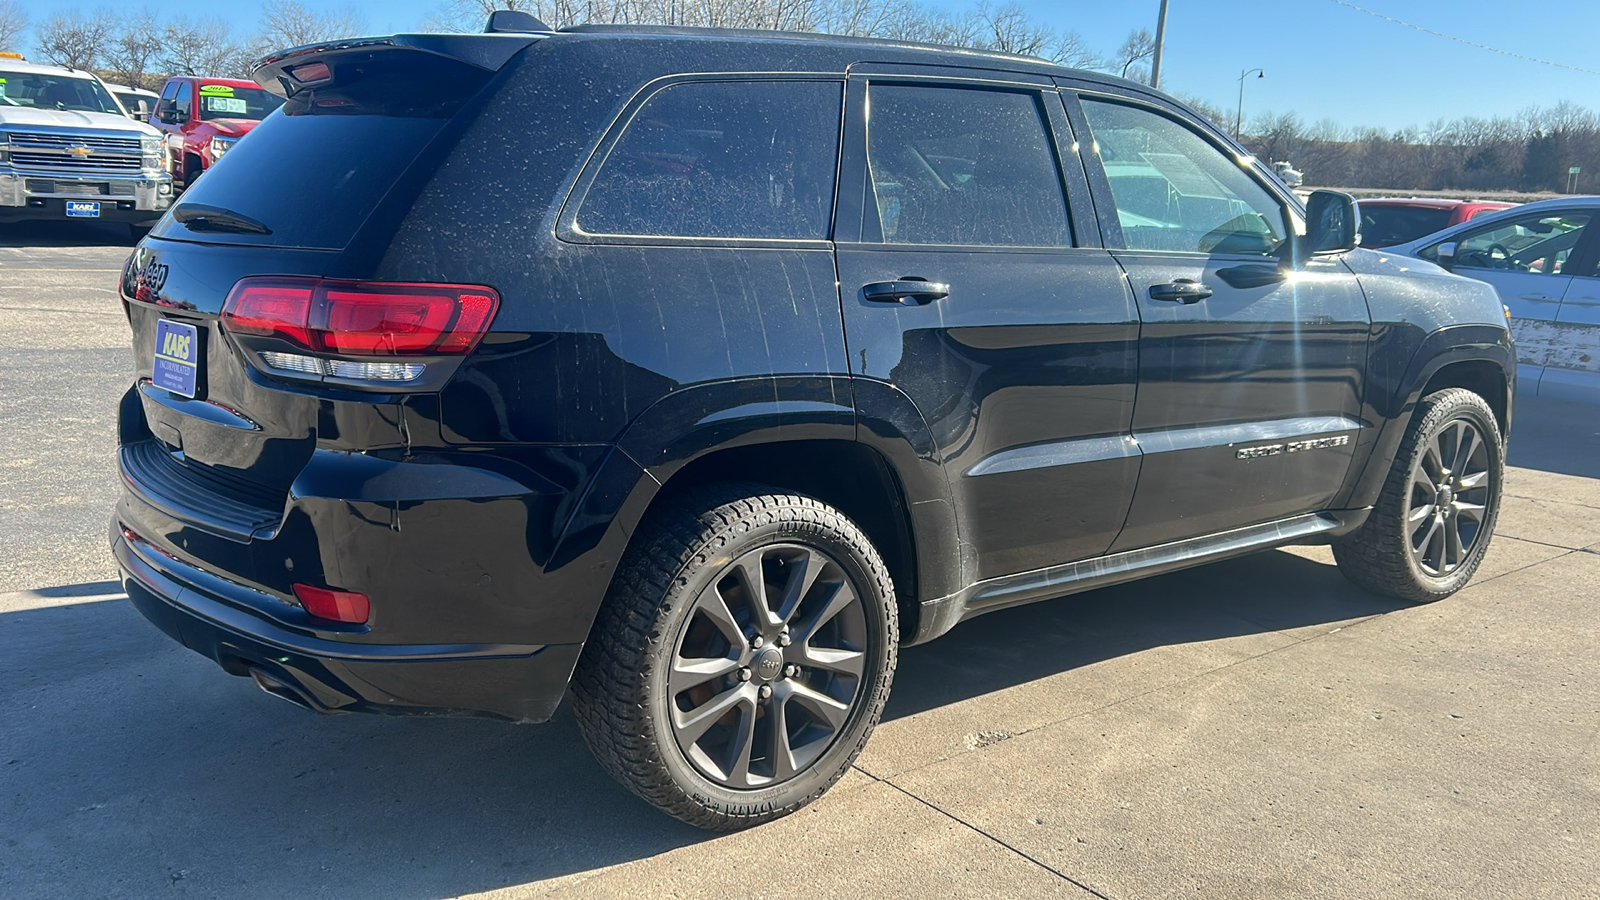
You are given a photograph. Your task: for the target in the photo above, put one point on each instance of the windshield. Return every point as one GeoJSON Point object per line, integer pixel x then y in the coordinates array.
{"type": "Point", "coordinates": [223, 101]}
{"type": "Point", "coordinates": [40, 90]}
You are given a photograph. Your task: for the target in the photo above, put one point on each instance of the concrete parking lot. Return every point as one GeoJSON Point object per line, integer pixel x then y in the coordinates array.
{"type": "Point", "coordinates": [1253, 728]}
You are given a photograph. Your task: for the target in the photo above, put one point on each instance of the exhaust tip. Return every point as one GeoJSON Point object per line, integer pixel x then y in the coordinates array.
{"type": "Point", "coordinates": [282, 691]}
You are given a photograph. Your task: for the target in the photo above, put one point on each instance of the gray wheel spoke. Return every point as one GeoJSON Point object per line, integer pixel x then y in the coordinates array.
{"type": "Point", "coordinates": [1476, 480]}
{"type": "Point", "coordinates": [715, 608]}
{"type": "Point", "coordinates": [1418, 514]}
{"type": "Point", "coordinates": [1423, 546]}
{"type": "Point", "coordinates": [828, 709]}
{"type": "Point", "coordinates": [755, 584]}
{"type": "Point", "coordinates": [1434, 455]}
{"type": "Point", "coordinates": [1454, 553]}
{"type": "Point", "coordinates": [737, 765]}
{"type": "Point", "coordinates": [688, 673]}
{"type": "Point", "coordinates": [780, 753]}
{"type": "Point", "coordinates": [1472, 511]}
{"type": "Point", "coordinates": [1466, 441]}
{"type": "Point", "coordinates": [843, 596]}
{"type": "Point", "coordinates": [1436, 547]}
{"type": "Point", "coordinates": [692, 725]}
{"type": "Point", "coordinates": [803, 574]}
{"type": "Point", "coordinates": [845, 662]}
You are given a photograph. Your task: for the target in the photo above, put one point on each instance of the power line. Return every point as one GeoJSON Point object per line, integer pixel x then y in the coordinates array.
{"type": "Point", "coordinates": [1451, 37]}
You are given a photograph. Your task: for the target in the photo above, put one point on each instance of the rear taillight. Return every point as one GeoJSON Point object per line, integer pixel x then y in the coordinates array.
{"type": "Point", "coordinates": [337, 606]}
{"type": "Point", "coordinates": [359, 318]}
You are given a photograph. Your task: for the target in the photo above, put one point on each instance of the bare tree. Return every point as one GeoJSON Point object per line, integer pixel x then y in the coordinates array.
{"type": "Point", "coordinates": [288, 23]}
{"type": "Point", "coordinates": [129, 54]}
{"type": "Point", "coordinates": [203, 47]}
{"type": "Point", "coordinates": [13, 24]}
{"type": "Point", "coordinates": [1072, 51]}
{"type": "Point", "coordinates": [1136, 48]}
{"type": "Point", "coordinates": [76, 39]}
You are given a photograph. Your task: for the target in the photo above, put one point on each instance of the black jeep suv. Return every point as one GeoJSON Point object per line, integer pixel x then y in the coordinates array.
{"type": "Point", "coordinates": [700, 370]}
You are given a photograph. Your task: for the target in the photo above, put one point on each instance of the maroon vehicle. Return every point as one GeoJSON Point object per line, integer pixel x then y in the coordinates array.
{"type": "Point", "coordinates": [1387, 221]}
{"type": "Point", "coordinates": [203, 117]}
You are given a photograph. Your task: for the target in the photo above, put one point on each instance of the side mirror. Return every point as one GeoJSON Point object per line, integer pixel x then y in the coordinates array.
{"type": "Point", "coordinates": [1332, 218]}
{"type": "Point", "coordinates": [1447, 256]}
{"type": "Point", "coordinates": [167, 111]}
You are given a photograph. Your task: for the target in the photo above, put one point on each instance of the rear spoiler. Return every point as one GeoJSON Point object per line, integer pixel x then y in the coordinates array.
{"type": "Point", "coordinates": [287, 72]}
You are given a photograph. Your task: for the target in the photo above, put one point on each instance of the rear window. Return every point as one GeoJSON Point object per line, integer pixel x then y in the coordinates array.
{"type": "Point", "coordinates": [315, 169]}
{"type": "Point", "coordinates": [722, 160]}
{"type": "Point", "coordinates": [1385, 226]}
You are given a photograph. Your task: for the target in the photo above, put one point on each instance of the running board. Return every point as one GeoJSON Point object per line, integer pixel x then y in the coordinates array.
{"type": "Point", "coordinates": [939, 616]}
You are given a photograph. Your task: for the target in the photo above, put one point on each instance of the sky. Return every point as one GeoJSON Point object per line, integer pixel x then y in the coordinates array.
{"type": "Point", "coordinates": [1323, 59]}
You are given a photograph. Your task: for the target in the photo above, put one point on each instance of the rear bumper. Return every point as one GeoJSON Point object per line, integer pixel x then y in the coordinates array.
{"type": "Point", "coordinates": [226, 622]}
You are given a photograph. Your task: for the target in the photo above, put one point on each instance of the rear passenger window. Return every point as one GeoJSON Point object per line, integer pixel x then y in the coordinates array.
{"type": "Point", "coordinates": [964, 166]}
{"type": "Point", "coordinates": [722, 160]}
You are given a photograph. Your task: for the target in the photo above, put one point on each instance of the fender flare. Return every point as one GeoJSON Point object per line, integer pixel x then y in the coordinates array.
{"type": "Point", "coordinates": [690, 423]}
{"type": "Point", "coordinates": [1393, 406]}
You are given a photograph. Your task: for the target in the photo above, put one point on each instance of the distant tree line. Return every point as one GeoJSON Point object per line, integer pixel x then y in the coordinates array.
{"type": "Point", "coordinates": [134, 47]}
{"type": "Point", "coordinates": [1529, 151]}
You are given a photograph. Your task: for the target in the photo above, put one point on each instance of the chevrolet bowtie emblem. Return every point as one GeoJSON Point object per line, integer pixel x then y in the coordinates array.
{"type": "Point", "coordinates": [79, 150]}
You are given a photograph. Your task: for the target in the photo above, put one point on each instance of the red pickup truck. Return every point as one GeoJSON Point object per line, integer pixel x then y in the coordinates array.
{"type": "Point", "coordinates": [1387, 221]}
{"type": "Point", "coordinates": [202, 118]}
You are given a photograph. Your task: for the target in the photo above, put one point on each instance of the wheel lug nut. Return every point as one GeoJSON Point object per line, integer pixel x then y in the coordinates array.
{"type": "Point", "coordinates": [766, 691]}
{"type": "Point", "coordinates": [784, 639]}
{"type": "Point", "coordinates": [791, 671]}
{"type": "Point", "coordinates": [758, 642]}
{"type": "Point", "coordinates": [744, 674]}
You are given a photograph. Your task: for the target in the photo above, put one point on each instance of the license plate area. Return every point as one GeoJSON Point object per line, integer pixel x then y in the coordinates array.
{"type": "Point", "coordinates": [83, 209]}
{"type": "Point", "coordinates": [177, 358]}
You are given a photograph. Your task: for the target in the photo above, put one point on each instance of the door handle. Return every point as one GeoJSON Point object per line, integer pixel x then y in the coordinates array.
{"type": "Point", "coordinates": [1183, 290]}
{"type": "Point", "coordinates": [901, 290]}
{"type": "Point", "coordinates": [1539, 298]}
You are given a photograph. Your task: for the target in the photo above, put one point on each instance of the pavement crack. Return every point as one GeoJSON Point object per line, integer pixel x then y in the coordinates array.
{"type": "Point", "coordinates": [996, 839]}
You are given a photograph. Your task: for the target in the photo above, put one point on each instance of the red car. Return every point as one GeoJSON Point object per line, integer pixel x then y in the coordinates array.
{"type": "Point", "coordinates": [1387, 221]}
{"type": "Point", "coordinates": [203, 117]}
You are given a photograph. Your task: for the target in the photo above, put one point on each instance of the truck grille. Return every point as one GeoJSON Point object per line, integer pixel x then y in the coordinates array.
{"type": "Point", "coordinates": [74, 164]}
{"type": "Point", "coordinates": [74, 153]}
{"type": "Point", "coordinates": [62, 141]}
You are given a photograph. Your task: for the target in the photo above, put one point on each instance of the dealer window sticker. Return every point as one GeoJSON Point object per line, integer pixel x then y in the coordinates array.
{"type": "Point", "coordinates": [224, 89]}
{"type": "Point", "coordinates": [227, 104]}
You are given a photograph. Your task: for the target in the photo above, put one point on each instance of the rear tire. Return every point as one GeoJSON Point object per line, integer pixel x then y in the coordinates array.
{"type": "Point", "coordinates": [741, 658]}
{"type": "Point", "coordinates": [1436, 514]}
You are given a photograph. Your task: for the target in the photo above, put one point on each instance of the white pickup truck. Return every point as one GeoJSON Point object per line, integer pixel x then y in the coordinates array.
{"type": "Point", "coordinates": [69, 150]}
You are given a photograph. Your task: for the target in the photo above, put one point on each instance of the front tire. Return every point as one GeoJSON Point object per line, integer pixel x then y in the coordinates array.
{"type": "Point", "coordinates": [1436, 514]}
{"type": "Point", "coordinates": [741, 658]}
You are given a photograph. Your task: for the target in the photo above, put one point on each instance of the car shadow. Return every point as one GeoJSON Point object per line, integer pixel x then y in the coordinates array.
{"type": "Point", "coordinates": [134, 762]}
{"type": "Point", "coordinates": [48, 233]}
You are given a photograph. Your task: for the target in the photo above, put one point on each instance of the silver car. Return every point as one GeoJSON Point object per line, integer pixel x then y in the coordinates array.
{"type": "Point", "coordinates": [1542, 259]}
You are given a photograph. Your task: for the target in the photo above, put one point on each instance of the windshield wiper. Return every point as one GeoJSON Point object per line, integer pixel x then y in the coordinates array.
{"type": "Point", "coordinates": [197, 217]}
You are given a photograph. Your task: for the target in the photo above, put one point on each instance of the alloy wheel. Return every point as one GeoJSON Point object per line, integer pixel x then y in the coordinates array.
{"type": "Point", "coordinates": [768, 666]}
{"type": "Point", "coordinates": [1448, 498]}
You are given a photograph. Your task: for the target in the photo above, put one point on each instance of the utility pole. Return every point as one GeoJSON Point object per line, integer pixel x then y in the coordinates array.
{"type": "Point", "coordinates": [1238, 116]}
{"type": "Point", "coordinates": [1161, 43]}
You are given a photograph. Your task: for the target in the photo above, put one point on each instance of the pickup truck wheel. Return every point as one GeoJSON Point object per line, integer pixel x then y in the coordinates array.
{"type": "Point", "coordinates": [1433, 521]}
{"type": "Point", "coordinates": [741, 658]}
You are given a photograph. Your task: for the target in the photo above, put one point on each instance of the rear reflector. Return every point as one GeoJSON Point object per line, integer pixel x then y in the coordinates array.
{"type": "Point", "coordinates": [357, 318]}
{"type": "Point", "coordinates": [338, 606]}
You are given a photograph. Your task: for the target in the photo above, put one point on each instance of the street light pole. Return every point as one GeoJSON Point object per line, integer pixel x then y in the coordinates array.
{"type": "Point", "coordinates": [1238, 116]}
{"type": "Point", "coordinates": [1161, 43]}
